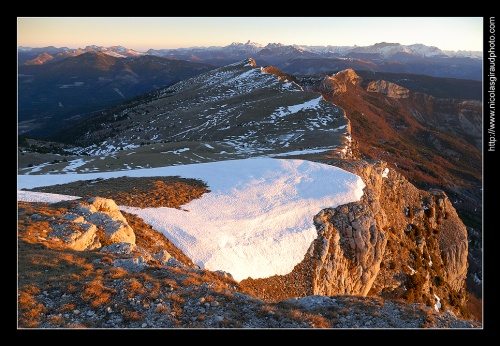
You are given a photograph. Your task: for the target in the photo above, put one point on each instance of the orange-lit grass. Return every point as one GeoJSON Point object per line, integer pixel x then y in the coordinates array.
{"type": "Point", "coordinates": [29, 309]}
{"type": "Point", "coordinates": [96, 293]}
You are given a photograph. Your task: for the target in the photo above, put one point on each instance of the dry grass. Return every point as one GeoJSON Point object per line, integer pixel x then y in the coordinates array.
{"type": "Point", "coordinates": [57, 321]}
{"type": "Point", "coordinates": [133, 285]}
{"type": "Point", "coordinates": [144, 192]}
{"type": "Point", "coordinates": [29, 309]}
{"type": "Point", "coordinates": [96, 293]}
{"type": "Point", "coordinates": [317, 321]}
{"type": "Point", "coordinates": [46, 264]}
{"type": "Point", "coordinates": [192, 280]}
{"type": "Point", "coordinates": [132, 315]}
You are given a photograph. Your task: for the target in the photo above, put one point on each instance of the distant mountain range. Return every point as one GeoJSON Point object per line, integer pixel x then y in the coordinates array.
{"type": "Point", "coordinates": [57, 84]}
{"type": "Point", "coordinates": [234, 50]}
{"type": "Point", "coordinates": [383, 57]}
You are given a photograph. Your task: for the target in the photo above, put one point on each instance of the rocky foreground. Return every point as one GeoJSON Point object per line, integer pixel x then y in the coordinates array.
{"type": "Point", "coordinates": [152, 285]}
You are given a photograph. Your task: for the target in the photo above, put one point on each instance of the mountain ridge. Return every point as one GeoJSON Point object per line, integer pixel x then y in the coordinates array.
{"type": "Point", "coordinates": [431, 212]}
{"type": "Point", "coordinates": [77, 86]}
{"type": "Point", "coordinates": [253, 47]}
{"type": "Point", "coordinates": [85, 92]}
{"type": "Point", "coordinates": [434, 142]}
{"type": "Point", "coordinates": [385, 57]}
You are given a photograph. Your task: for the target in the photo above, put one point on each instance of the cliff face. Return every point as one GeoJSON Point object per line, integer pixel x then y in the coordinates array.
{"type": "Point", "coordinates": [460, 118]}
{"type": "Point", "coordinates": [351, 241]}
{"type": "Point", "coordinates": [340, 82]}
{"type": "Point", "coordinates": [388, 88]}
{"type": "Point", "coordinates": [396, 242]}
{"type": "Point", "coordinates": [433, 142]}
{"type": "Point", "coordinates": [396, 231]}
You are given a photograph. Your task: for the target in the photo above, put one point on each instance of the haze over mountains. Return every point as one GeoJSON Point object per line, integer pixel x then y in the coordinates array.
{"type": "Point", "coordinates": [298, 59]}
{"type": "Point", "coordinates": [235, 50]}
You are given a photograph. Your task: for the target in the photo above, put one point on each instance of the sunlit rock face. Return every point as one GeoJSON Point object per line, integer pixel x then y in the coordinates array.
{"type": "Point", "coordinates": [78, 229]}
{"type": "Point", "coordinates": [397, 241]}
{"type": "Point", "coordinates": [395, 233]}
{"type": "Point", "coordinates": [388, 88]}
{"type": "Point", "coordinates": [340, 82]}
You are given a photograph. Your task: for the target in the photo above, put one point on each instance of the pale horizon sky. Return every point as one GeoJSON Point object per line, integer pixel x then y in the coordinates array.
{"type": "Point", "coordinates": [143, 33]}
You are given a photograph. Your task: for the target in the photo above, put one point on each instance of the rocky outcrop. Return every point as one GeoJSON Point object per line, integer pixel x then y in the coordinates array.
{"type": "Point", "coordinates": [388, 88]}
{"type": "Point", "coordinates": [396, 242]}
{"type": "Point", "coordinates": [351, 240]}
{"type": "Point", "coordinates": [98, 224]}
{"type": "Point", "coordinates": [394, 232]}
{"type": "Point", "coordinates": [79, 228]}
{"type": "Point", "coordinates": [347, 252]}
{"type": "Point", "coordinates": [338, 83]}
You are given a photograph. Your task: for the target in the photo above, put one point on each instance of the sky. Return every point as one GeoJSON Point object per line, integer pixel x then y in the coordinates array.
{"type": "Point", "coordinates": [256, 221]}
{"type": "Point", "coordinates": [143, 33]}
